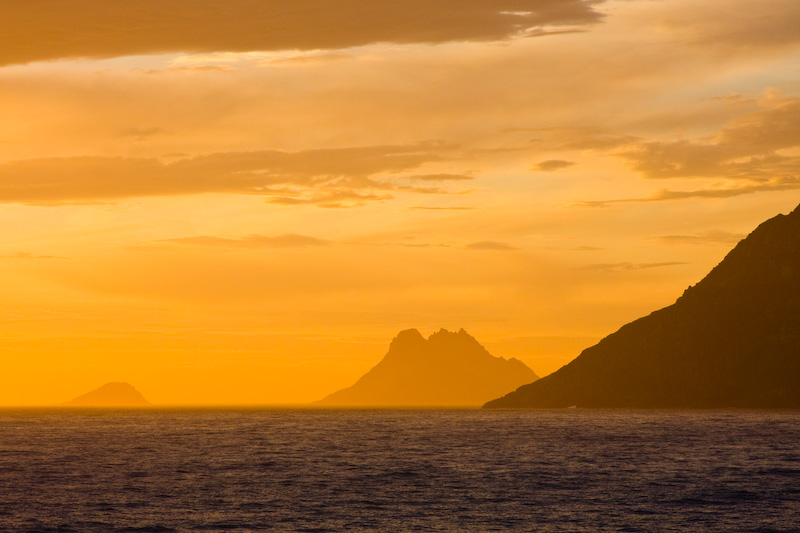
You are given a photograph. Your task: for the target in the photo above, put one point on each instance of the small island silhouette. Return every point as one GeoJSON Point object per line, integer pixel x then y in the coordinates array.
{"type": "Point", "coordinates": [114, 394]}
{"type": "Point", "coordinates": [447, 369]}
{"type": "Point", "coordinates": [732, 340]}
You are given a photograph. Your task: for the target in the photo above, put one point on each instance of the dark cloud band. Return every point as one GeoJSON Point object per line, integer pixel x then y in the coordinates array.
{"type": "Point", "coordinates": [104, 29]}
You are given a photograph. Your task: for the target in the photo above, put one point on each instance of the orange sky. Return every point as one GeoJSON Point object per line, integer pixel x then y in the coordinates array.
{"type": "Point", "coordinates": [244, 201]}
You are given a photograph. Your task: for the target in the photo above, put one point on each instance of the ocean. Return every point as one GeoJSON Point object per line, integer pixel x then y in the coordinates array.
{"type": "Point", "coordinates": [398, 470]}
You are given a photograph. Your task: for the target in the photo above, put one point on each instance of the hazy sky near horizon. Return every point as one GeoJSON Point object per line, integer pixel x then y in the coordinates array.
{"type": "Point", "coordinates": [243, 201]}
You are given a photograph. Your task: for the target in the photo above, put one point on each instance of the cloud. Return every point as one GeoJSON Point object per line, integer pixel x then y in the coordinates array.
{"type": "Point", "coordinates": [724, 192]}
{"type": "Point", "coordinates": [490, 246]}
{"type": "Point", "coordinates": [412, 244]}
{"type": "Point", "coordinates": [552, 165]}
{"type": "Point", "coordinates": [754, 152]}
{"type": "Point", "coordinates": [576, 248]}
{"type": "Point", "coordinates": [331, 199]}
{"type": "Point", "coordinates": [28, 255]}
{"type": "Point", "coordinates": [191, 69]}
{"type": "Point", "coordinates": [250, 242]}
{"type": "Point", "coordinates": [735, 24]}
{"type": "Point", "coordinates": [440, 177]}
{"type": "Point", "coordinates": [317, 176]}
{"type": "Point", "coordinates": [745, 148]}
{"type": "Point", "coordinates": [443, 208]}
{"type": "Point", "coordinates": [103, 29]}
{"type": "Point", "coordinates": [708, 237]}
{"type": "Point", "coordinates": [426, 190]}
{"type": "Point", "coordinates": [733, 97]}
{"type": "Point", "coordinates": [480, 246]}
{"type": "Point", "coordinates": [304, 59]}
{"type": "Point", "coordinates": [623, 267]}
{"type": "Point", "coordinates": [578, 137]}
{"type": "Point", "coordinates": [141, 134]}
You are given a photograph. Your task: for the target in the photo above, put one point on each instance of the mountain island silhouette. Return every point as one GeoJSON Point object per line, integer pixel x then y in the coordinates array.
{"type": "Point", "coordinates": [447, 368]}
{"type": "Point", "coordinates": [732, 340]}
{"type": "Point", "coordinates": [113, 394]}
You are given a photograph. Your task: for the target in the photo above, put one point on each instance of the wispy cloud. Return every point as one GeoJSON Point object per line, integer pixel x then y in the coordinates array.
{"type": "Point", "coordinates": [331, 199]}
{"type": "Point", "coordinates": [28, 255]}
{"type": "Point", "coordinates": [579, 138]}
{"type": "Point", "coordinates": [552, 165]}
{"type": "Point", "coordinates": [575, 249]}
{"type": "Point", "coordinates": [490, 246]}
{"type": "Point", "coordinates": [623, 267]}
{"type": "Point", "coordinates": [746, 148]}
{"type": "Point", "coordinates": [754, 152]}
{"type": "Point", "coordinates": [725, 192]}
{"type": "Point", "coordinates": [440, 177]}
{"type": "Point", "coordinates": [443, 208]}
{"type": "Point", "coordinates": [708, 237]}
{"type": "Point", "coordinates": [250, 242]}
{"type": "Point", "coordinates": [304, 59]}
{"type": "Point", "coordinates": [323, 177]}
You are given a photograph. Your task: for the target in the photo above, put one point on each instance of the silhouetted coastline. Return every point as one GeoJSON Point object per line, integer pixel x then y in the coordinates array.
{"type": "Point", "coordinates": [732, 340]}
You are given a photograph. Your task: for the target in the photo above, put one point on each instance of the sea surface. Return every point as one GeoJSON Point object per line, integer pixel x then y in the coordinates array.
{"type": "Point", "coordinates": [398, 470]}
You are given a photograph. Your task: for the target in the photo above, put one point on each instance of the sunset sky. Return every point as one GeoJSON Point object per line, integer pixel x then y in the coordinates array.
{"type": "Point", "coordinates": [243, 201]}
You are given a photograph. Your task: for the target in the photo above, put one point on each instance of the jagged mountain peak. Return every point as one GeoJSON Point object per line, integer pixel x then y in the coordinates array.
{"type": "Point", "coordinates": [447, 368]}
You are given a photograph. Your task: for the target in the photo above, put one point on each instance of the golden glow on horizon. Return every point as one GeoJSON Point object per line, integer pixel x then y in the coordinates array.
{"type": "Point", "coordinates": [240, 219]}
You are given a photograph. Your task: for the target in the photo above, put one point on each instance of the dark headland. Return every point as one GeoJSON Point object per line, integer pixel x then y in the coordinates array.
{"type": "Point", "coordinates": [732, 340]}
{"type": "Point", "coordinates": [113, 394]}
{"type": "Point", "coordinates": [446, 369]}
